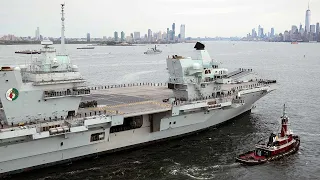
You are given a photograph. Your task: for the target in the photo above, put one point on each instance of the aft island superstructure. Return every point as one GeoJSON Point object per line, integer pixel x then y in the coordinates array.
{"type": "Point", "coordinates": [49, 115]}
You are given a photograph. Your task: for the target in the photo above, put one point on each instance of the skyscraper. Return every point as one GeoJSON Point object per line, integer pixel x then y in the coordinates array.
{"type": "Point", "coordinates": [173, 31]}
{"type": "Point", "coordinates": [272, 32]}
{"type": "Point", "coordinates": [37, 34]}
{"type": "Point", "coordinates": [116, 37]}
{"type": "Point", "coordinates": [294, 29]}
{"type": "Point", "coordinates": [254, 33]}
{"type": "Point", "coordinates": [164, 36]}
{"type": "Point", "coordinates": [145, 37]}
{"type": "Point", "coordinates": [318, 32]}
{"type": "Point", "coordinates": [308, 19]}
{"type": "Point", "coordinates": [159, 36]}
{"type": "Point", "coordinates": [136, 35]}
{"type": "Point", "coordinates": [122, 36]}
{"type": "Point", "coordinates": [168, 34]}
{"type": "Point", "coordinates": [149, 35]}
{"type": "Point", "coordinates": [313, 28]}
{"type": "Point", "coordinates": [88, 37]}
{"type": "Point", "coordinates": [182, 32]}
{"type": "Point", "coordinates": [259, 31]}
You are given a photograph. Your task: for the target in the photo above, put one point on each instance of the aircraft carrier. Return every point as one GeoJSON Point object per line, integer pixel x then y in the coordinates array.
{"type": "Point", "coordinates": [50, 116]}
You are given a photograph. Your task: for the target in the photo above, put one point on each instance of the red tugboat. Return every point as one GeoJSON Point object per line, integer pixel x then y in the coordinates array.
{"type": "Point", "coordinates": [278, 146]}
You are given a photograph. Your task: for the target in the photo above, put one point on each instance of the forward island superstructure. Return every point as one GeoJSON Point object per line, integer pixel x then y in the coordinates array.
{"type": "Point", "coordinates": [49, 116]}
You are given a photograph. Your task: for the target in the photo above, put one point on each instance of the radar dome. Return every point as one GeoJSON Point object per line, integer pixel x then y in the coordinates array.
{"type": "Point", "coordinates": [196, 66]}
{"type": "Point", "coordinates": [75, 68]}
{"type": "Point", "coordinates": [17, 69]}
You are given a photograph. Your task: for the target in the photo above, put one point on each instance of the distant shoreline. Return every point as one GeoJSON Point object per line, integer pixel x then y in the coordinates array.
{"type": "Point", "coordinates": [93, 43]}
{"type": "Point", "coordinates": [133, 44]}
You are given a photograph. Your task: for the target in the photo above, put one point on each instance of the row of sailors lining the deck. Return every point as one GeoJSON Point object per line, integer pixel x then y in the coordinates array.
{"type": "Point", "coordinates": [220, 94]}
{"type": "Point", "coordinates": [232, 91]}
{"type": "Point", "coordinates": [67, 92]}
{"type": "Point", "coordinates": [242, 69]}
{"type": "Point", "coordinates": [246, 86]}
{"type": "Point", "coordinates": [128, 85]}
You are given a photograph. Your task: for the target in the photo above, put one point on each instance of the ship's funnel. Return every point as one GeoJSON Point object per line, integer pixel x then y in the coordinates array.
{"type": "Point", "coordinates": [199, 46]}
{"type": "Point", "coordinates": [202, 54]}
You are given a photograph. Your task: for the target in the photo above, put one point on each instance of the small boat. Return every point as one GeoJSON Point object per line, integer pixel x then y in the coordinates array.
{"type": "Point", "coordinates": [153, 51]}
{"type": "Point", "coordinates": [295, 42]}
{"type": "Point", "coordinates": [85, 48]}
{"type": "Point", "coordinates": [28, 52]}
{"type": "Point", "coordinates": [278, 146]}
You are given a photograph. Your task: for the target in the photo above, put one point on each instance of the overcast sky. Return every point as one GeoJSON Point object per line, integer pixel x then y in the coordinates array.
{"type": "Point", "coordinates": [201, 17]}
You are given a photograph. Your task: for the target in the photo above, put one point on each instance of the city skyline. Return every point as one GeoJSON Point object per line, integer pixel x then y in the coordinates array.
{"type": "Point", "coordinates": [307, 32]}
{"type": "Point", "coordinates": [203, 18]}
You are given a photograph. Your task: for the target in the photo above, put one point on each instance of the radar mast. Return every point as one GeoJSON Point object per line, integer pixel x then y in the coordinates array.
{"type": "Point", "coordinates": [63, 50]}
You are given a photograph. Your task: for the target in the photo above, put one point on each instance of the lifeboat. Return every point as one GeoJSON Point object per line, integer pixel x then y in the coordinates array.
{"type": "Point", "coordinates": [277, 147]}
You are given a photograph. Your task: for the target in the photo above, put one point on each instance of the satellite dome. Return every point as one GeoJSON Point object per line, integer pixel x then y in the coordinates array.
{"type": "Point", "coordinates": [75, 68]}
{"type": "Point", "coordinates": [196, 66]}
{"type": "Point", "coordinates": [17, 69]}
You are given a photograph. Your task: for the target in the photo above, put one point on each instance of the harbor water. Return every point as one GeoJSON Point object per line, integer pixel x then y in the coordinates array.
{"type": "Point", "coordinates": [208, 154]}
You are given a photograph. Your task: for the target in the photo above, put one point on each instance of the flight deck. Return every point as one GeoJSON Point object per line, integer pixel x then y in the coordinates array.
{"type": "Point", "coordinates": [129, 101]}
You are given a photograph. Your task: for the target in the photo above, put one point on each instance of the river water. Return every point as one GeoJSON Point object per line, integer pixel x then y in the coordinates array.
{"type": "Point", "coordinates": [208, 154]}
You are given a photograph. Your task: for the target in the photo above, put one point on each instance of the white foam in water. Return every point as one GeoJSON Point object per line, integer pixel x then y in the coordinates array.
{"type": "Point", "coordinates": [201, 173]}
{"type": "Point", "coordinates": [83, 170]}
{"type": "Point", "coordinates": [69, 173]}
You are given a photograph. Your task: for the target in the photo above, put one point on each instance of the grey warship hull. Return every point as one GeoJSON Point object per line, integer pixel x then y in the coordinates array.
{"type": "Point", "coordinates": [74, 145]}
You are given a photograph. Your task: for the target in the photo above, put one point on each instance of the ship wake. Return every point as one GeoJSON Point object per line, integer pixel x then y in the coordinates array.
{"type": "Point", "coordinates": [201, 173]}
